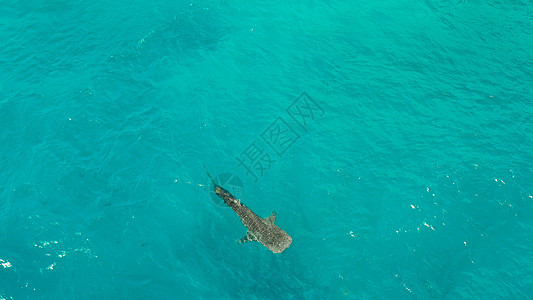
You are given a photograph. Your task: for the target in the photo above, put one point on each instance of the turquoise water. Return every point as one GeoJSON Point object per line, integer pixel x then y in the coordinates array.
{"type": "Point", "coordinates": [411, 180]}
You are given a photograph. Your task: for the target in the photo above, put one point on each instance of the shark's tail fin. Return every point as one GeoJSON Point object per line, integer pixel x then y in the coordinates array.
{"type": "Point", "coordinates": [209, 175]}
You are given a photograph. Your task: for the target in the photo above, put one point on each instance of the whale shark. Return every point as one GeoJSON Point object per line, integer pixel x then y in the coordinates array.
{"type": "Point", "coordinates": [262, 230]}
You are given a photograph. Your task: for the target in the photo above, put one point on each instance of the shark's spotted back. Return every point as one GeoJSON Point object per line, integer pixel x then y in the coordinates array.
{"type": "Point", "coordinates": [262, 230]}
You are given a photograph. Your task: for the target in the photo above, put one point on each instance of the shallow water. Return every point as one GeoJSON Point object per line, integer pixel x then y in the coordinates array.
{"type": "Point", "coordinates": [405, 172]}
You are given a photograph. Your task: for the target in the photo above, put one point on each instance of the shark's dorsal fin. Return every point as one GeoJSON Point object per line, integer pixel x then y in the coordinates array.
{"type": "Point", "coordinates": [248, 237]}
{"type": "Point", "coordinates": [272, 218]}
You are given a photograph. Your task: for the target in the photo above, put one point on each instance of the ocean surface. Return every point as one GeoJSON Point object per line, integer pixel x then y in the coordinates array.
{"type": "Point", "coordinates": [394, 139]}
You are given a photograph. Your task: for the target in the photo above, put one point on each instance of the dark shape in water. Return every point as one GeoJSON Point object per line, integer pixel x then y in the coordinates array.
{"type": "Point", "coordinates": [261, 230]}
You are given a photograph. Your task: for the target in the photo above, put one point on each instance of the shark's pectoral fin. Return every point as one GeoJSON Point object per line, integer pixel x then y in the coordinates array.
{"type": "Point", "coordinates": [272, 218]}
{"type": "Point", "coordinates": [247, 238]}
